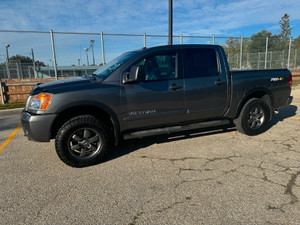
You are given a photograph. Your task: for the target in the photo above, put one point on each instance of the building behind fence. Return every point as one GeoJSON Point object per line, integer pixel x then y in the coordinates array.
{"type": "Point", "coordinates": [68, 54]}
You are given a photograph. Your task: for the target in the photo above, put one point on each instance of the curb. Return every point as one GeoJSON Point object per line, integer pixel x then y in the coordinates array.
{"type": "Point", "coordinates": [7, 112]}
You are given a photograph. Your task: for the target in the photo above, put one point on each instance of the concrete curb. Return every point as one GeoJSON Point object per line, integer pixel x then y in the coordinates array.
{"type": "Point", "coordinates": [8, 112]}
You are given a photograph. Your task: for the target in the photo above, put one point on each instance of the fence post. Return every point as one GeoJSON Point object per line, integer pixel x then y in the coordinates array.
{"type": "Point", "coordinates": [29, 71]}
{"type": "Point", "coordinates": [33, 63]}
{"type": "Point", "coordinates": [144, 40]}
{"type": "Point", "coordinates": [283, 52]}
{"type": "Point", "coordinates": [102, 46]}
{"type": "Point", "coordinates": [295, 57]}
{"type": "Point", "coordinates": [248, 64]}
{"type": "Point", "coordinates": [181, 39]}
{"type": "Point", "coordinates": [289, 56]}
{"type": "Point", "coordinates": [18, 70]}
{"type": "Point", "coordinates": [266, 55]}
{"type": "Point", "coordinates": [2, 95]}
{"type": "Point", "coordinates": [54, 55]}
{"type": "Point", "coordinates": [241, 52]}
{"type": "Point", "coordinates": [7, 61]}
{"type": "Point", "coordinates": [258, 60]}
{"type": "Point", "coordinates": [228, 58]}
{"type": "Point", "coordinates": [213, 40]}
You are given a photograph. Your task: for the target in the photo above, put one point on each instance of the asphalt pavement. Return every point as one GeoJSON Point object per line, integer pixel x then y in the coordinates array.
{"type": "Point", "coordinates": [212, 176]}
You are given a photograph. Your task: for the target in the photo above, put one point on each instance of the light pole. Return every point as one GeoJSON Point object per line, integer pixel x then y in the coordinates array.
{"type": "Point", "coordinates": [92, 45]}
{"type": "Point", "coordinates": [170, 22]}
{"type": "Point", "coordinates": [7, 61]}
{"type": "Point", "coordinates": [87, 56]}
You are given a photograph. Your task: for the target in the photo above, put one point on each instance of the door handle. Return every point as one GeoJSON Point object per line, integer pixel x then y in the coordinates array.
{"type": "Point", "coordinates": [220, 82]}
{"type": "Point", "coordinates": [174, 87]}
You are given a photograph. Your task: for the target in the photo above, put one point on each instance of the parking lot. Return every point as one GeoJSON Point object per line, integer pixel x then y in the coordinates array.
{"type": "Point", "coordinates": [212, 176]}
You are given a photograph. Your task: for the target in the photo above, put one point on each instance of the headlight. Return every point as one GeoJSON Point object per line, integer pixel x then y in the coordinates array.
{"type": "Point", "coordinates": [40, 101]}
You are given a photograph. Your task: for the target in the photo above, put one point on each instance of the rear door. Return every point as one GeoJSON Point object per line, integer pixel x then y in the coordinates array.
{"type": "Point", "coordinates": [157, 98]}
{"type": "Point", "coordinates": [206, 84]}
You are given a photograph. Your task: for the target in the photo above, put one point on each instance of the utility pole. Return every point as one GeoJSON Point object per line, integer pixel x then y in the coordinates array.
{"type": "Point", "coordinates": [170, 22]}
{"type": "Point", "coordinates": [87, 56]}
{"type": "Point", "coordinates": [92, 45]}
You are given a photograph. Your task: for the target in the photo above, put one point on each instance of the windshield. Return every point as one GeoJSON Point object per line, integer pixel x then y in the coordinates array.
{"type": "Point", "coordinates": [108, 68]}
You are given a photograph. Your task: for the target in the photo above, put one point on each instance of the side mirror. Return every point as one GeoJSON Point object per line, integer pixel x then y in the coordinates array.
{"type": "Point", "coordinates": [133, 75]}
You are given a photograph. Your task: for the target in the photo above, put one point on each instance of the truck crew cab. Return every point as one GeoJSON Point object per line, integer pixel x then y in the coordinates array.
{"type": "Point", "coordinates": [149, 92]}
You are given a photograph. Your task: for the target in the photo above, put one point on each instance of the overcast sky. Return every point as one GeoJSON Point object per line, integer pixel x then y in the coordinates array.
{"type": "Point", "coordinates": [221, 18]}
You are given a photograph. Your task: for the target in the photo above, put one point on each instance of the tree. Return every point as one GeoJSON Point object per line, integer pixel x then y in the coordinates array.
{"type": "Point", "coordinates": [232, 45]}
{"type": "Point", "coordinates": [296, 43]}
{"type": "Point", "coordinates": [25, 60]}
{"type": "Point", "coordinates": [258, 41]}
{"type": "Point", "coordinates": [285, 27]}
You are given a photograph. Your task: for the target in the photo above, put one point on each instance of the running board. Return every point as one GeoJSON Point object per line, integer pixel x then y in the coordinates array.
{"type": "Point", "coordinates": [167, 130]}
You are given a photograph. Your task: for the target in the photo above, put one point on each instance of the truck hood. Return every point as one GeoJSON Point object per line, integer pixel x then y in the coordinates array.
{"type": "Point", "coordinates": [62, 85]}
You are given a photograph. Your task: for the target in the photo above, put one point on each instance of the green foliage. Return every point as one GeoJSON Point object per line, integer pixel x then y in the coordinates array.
{"type": "Point", "coordinates": [25, 60]}
{"type": "Point", "coordinates": [296, 43]}
{"type": "Point", "coordinates": [13, 105]}
{"type": "Point", "coordinates": [22, 59]}
{"type": "Point", "coordinates": [258, 41]}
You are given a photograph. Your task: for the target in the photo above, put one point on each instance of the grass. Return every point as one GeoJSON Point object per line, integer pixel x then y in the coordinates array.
{"type": "Point", "coordinates": [13, 105]}
{"type": "Point", "coordinates": [295, 83]}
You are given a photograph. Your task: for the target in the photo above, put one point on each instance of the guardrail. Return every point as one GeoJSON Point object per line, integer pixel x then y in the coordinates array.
{"type": "Point", "coordinates": [17, 90]}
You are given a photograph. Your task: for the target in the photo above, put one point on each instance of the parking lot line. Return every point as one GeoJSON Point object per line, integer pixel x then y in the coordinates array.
{"type": "Point", "coordinates": [295, 118]}
{"type": "Point", "coordinates": [10, 137]}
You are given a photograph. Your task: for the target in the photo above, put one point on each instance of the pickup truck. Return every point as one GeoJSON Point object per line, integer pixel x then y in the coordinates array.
{"type": "Point", "coordinates": [151, 91]}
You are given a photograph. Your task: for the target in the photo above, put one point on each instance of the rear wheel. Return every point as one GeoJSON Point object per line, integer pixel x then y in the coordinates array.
{"type": "Point", "coordinates": [83, 141]}
{"type": "Point", "coordinates": [254, 117]}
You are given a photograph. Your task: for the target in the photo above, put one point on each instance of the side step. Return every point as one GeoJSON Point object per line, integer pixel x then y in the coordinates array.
{"type": "Point", "coordinates": [167, 130]}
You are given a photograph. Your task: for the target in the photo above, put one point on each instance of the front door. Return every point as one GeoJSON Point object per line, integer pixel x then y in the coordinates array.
{"type": "Point", "coordinates": [157, 98]}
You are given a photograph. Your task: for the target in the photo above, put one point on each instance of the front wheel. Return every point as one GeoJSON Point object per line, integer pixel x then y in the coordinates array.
{"type": "Point", "coordinates": [254, 117]}
{"type": "Point", "coordinates": [83, 141]}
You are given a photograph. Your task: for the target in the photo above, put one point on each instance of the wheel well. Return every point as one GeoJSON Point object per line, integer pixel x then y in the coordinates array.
{"type": "Point", "coordinates": [258, 94]}
{"type": "Point", "coordinates": [81, 110]}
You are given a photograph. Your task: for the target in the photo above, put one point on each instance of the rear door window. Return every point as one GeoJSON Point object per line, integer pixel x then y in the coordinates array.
{"type": "Point", "coordinates": [201, 62]}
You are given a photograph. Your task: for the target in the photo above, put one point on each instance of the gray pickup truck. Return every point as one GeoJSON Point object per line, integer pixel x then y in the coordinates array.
{"type": "Point", "coordinates": [149, 92]}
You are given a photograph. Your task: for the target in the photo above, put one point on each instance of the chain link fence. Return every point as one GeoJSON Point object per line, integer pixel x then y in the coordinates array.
{"type": "Point", "coordinates": [68, 54]}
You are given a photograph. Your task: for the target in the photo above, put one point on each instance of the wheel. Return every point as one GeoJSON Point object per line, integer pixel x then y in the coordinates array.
{"type": "Point", "coordinates": [83, 141]}
{"type": "Point", "coordinates": [254, 117]}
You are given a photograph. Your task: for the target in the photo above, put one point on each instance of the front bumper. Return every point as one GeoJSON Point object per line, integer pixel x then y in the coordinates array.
{"type": "Point", "coordinates": [37, 127]}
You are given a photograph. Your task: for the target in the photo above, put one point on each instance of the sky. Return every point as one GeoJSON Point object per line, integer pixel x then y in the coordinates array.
{"type": "Point", "coordinates": [221, 18]}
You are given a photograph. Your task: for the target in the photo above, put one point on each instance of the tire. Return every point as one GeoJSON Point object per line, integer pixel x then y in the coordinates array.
{"type": "Point", "coordinates": [83, 141]}
{"type": "Point", "coordinates": [254, 117]}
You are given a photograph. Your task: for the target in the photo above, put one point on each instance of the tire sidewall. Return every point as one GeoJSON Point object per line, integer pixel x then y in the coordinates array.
{"type": "Point", "coordinates": [245, 116]}
{"type": "Point", "coordinates": [64, 134]}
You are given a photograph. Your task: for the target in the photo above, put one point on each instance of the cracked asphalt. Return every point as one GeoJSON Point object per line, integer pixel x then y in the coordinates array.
{"type": "Point", "coordinates": [212, 176]}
